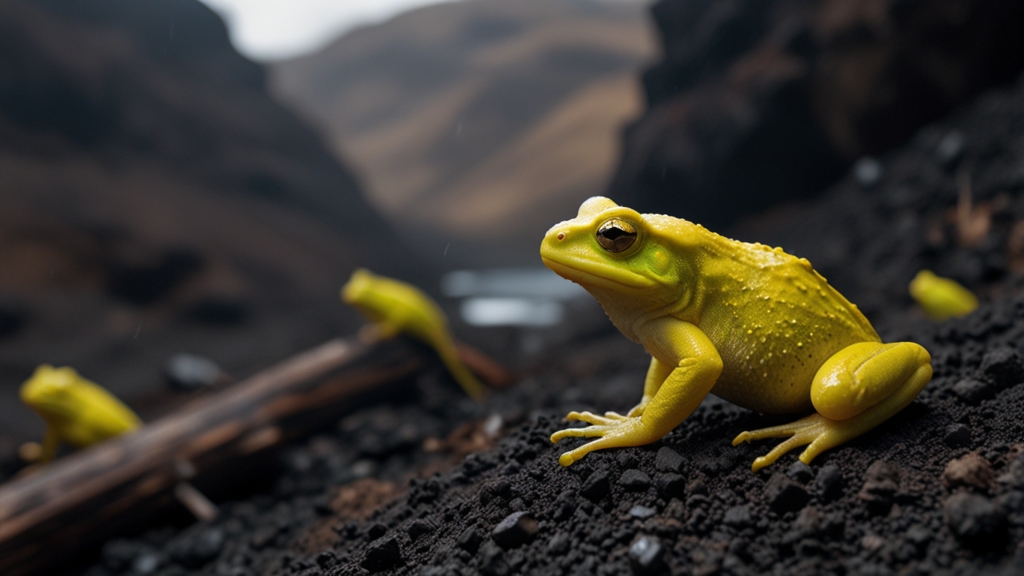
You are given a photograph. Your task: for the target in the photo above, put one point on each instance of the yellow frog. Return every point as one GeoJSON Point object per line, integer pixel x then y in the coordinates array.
{"type": "Point", "coordinates": [751, 324]}
{"type": "Point", "coordinates": [941, 298]}
{"type": "Point", "coordinates": [77, 411]}
{"type": "Point", "coordinates": [397, 307]}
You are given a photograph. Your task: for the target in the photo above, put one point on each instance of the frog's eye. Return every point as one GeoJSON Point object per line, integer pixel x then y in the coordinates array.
{"type": "Point", "coordinates": [616, 235]}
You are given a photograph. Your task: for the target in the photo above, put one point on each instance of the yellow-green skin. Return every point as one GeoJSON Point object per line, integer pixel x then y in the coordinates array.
{"type": "Point", "coordinates": [396, 307]}
{"type": "Point", "coordinates": [77, 411]}
{"type": "Point", "coordinates": [751, 324]}
{"type": "Point", "coordinates": [941, 298]}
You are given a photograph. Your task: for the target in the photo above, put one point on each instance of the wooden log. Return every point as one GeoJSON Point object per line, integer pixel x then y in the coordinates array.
{"type": "Point", "coordinates": [86, 497]}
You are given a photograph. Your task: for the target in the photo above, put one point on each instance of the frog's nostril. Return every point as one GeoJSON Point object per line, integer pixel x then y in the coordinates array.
{"type": "Point", "coordinates": [561, 235]}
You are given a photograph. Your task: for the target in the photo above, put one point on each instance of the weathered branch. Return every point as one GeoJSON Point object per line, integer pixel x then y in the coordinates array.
{"type": "Point", "coordinates": [83, 498]}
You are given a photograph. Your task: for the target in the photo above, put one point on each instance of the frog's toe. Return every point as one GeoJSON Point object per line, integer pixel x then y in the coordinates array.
{"type": "Point", "coordinates": [616, 416]}
{"type": "Point", "coordinates": [591, 418]}
{"type": "Point", "coordinates": [587, 432]}
{"type": "Point", "coordinates": [815, 430]}
{"type": "Point", "coordinates": [741, 438]}
{"type": "Point", "coordinates": [771, 457]}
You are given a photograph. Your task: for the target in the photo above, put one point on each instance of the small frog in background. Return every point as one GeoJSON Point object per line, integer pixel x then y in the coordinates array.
{"type": "Point", "coordinates": [396, 307]}
{"type": "Point", "coordinates": [941, 298]}
{"type": "Point", "coordinates": [746, 322]}
{"type": "Point", "coordinates": [77, 412]}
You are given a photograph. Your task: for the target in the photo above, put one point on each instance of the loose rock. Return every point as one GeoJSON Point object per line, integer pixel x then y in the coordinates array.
{"type": "Point", "coordinates": [880, 486]}
{"type": "Point", "coordinates": [382, 555]}
{"type": "Point", "coordinates": [971, 390]}
{"type": "Point", "coordinates": [515, 530]}
{"type": "Point", "coordinates": [419, 528]}
{"type": "Point", "coordinates": [867, 172]}
{"type": "Point", "coordinates": [668, 460]}
{"type": "Point", "coordinates": [800, 472]}
{"type": "Point", "coordinates": [972, 471]}
{"type": "Point", "coordinates": [596, 486]}
{"type": "Point", "coordinates": [492, 560]}
{"type": "Point", "coordinates": [783, 495]}
{"type": "Point", "coordinates": [671, 485]}
{"type": "Point", "coordinates": [976, 520]}
{"type": "Point", "coordinates": [737, 516]}
{"type": "Point", "coordinates": [190, 372]}
{"type": "Point", "coordinates": [828, 484]}
{"type": "Point", "coordinates": [1003, 367]}
{"type": "Point", "coordinates": [697, 488]}
{"type": "Point", "coordinates": [957, 436]}
{"type": "Point", "coordinates": [634, 480]}
{"type": "Point", "coordinates": [647, 556]}
{"type": "Point", "coordinates": [198, 548]}
{"type": "Point", "coordinates": [641, 512]}
{"type": "Point", "coordinates": [470, 540]}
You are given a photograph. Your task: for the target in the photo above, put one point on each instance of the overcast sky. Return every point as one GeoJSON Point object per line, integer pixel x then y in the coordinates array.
{"type": "Point", "coordinates": [274, 29]}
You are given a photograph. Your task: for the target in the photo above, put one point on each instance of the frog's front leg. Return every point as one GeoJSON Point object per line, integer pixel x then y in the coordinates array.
{"type": "Point", "coordinates": [687, 365]}
{"type": "Point", "coordinates": [855, 390]}
{"type": "Point", "coordinates": [51, 439]}
{"type": "Point", "coordinates": [657, 373]}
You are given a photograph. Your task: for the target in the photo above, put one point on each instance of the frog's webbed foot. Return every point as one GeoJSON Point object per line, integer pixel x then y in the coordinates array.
{"type": "Point", "coordinates": [612, 431]}
{"type": "Point", "coordinates": [816, 430]}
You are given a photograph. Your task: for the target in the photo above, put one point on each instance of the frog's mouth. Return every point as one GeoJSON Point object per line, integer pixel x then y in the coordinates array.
{"type": "Point", "coordinates": [599, 275]}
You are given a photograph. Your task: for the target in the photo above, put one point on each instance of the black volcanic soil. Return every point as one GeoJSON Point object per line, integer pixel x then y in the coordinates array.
{"type": "Point", "coordinates": [938, 489]}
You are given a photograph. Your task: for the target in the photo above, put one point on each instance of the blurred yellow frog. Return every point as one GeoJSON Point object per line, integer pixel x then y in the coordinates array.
{"type": "Point", "coordinates": [77, 412]}
{"type": "Point", "coordinates": [751, 324]}
{"type": "Point", "coordinates": [397, 307]}
{"type": "Point", "coordinates": [941, 298]}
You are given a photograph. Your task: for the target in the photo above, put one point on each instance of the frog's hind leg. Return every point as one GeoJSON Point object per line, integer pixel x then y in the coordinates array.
{"type": "Point", "coordinates": [855, 390]}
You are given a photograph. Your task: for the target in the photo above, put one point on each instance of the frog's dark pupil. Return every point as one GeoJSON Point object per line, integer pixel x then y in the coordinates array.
{"type": "Point", "coordinates": [616, 235]}
{"type": "Point", "coordinates": [613, 233]}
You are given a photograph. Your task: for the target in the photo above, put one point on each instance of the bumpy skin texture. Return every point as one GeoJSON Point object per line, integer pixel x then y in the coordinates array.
{"type": "Point", "coordinates": [77, 411]}
{"type": "Point", "coordinates": [396, 307]}
{"type": "Point", "coordinates": [941, 298]}
{"type": "Point", "coordinates": [751, 324]}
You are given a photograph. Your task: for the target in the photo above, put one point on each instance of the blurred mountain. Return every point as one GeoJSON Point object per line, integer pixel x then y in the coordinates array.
{"type": "Point", "coordinates": [478, 124]}
{"type": "Point", "coordinates": [756, 101]}
{"type": "Point", "coordinates": [156, 200]}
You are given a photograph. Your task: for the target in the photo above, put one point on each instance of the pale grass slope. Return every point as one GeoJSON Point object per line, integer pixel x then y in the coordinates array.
{"type": "Point", "coordinates": [481, 120]}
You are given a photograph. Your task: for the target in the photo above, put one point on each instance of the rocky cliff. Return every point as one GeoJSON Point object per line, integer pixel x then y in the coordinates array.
{"type": "Point", "coordinates": [157, 200]}
{"type": "Point", "coordinates": [757, 102]}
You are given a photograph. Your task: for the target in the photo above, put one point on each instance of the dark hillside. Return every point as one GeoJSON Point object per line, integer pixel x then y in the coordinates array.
{"type": "Point", "coordinates": [157, 200]}
{"type": "Point", "coordinates": [756, 102]}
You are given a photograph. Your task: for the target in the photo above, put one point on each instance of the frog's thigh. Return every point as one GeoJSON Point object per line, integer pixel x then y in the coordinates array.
{"type": "Point", "coordinates": [862, 375]}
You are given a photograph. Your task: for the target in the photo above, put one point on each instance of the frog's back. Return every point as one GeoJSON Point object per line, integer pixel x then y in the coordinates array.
{"type": "Point", "coordinates": [96, 416]}
{"type": "Point", "coordinates": [774, 321]}
{"type": "Point", "coordinates": [418, 314]}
